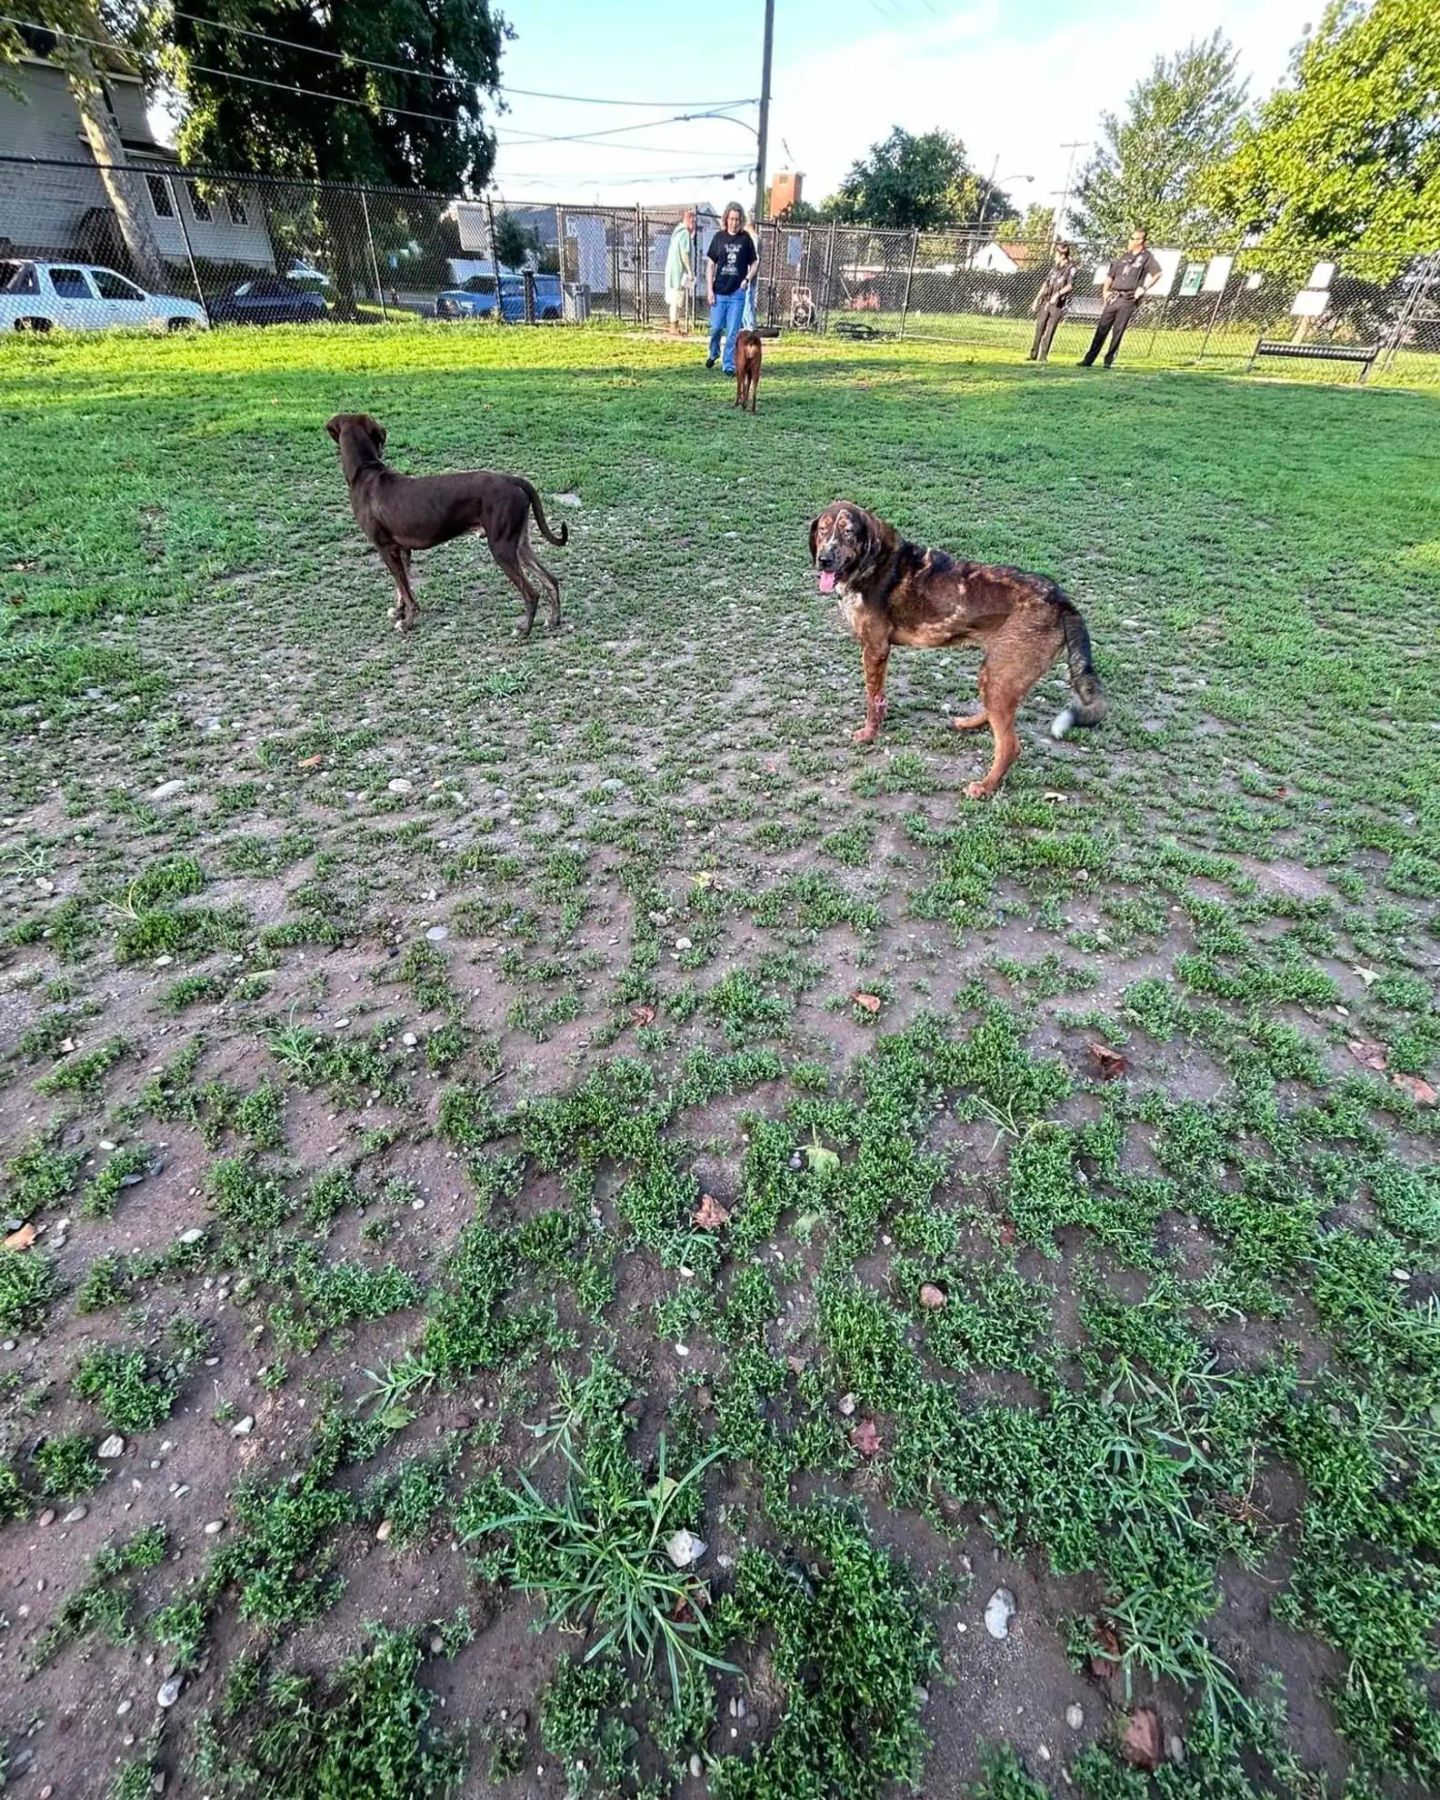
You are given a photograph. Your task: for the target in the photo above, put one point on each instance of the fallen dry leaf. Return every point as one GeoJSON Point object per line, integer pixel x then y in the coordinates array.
{"type": "Point", "coordinates": [869, 1002]}
{"type": "Point", "coordinates": [1106, 1660]}
{"type": "Point", "coordinates": [1052, 794]}
{"type": "Point", "coordinates": [796, 1364]}
{"type": "Point", "coordinates": [710, 1215]}
{"type": "Point", "coordinates": [21, 1239]}
{"type": "Point", "coordinates": [1419, 1091]}
{"type": "Point", "coordinates": [1143, 1745]}
{"type": "Point", "coordinates": [866, 1438]}
{"type": "Point", "coordinates": [1368, 1055]}
{"type": "Point", "coordinates": [1368, 976]}
{"type": "Point", "coordinates": [311, 762]}
{"type": "Point", "coordinates": [644, 1015]}
{"type": "Point", "coordinates": [931, 1297]}
{"type": "Point", "coordinates": [1110, 1065]}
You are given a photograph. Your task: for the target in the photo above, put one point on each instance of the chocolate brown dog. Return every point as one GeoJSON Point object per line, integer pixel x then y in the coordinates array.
{"type": "Point", "coordinates": [894, 592]}
{"type": "Point", "coordinates": [401, 514]}
{"type": "Point", "coordinates": [747, 369]}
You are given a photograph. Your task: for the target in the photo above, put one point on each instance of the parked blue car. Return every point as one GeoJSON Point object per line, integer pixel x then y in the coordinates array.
{"type": "Point", "coordinates": [477, 300]}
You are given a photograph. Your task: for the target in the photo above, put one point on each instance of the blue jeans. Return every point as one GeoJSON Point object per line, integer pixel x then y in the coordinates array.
{"type": "Point", "coordinates": [750, 307]}
{"type": "Point", "coordinates": [727, 315]}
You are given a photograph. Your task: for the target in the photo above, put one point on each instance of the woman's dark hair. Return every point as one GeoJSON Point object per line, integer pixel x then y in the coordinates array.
{"type": "Point", "coordinates": [734, 207]}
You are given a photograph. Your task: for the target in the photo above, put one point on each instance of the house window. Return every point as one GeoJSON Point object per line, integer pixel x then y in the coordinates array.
{"type": "Point", "coordinates": [162, 201]}
{"type": "Point", "coordinates": [199, 207]}
{"type": "Point", "coordinates": [235, 201]}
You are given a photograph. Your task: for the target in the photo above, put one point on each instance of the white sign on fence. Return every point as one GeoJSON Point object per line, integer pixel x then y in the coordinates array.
{"type": "Point", "coordinates": [1217, 274]}
{"type": "Point", "coordinates": [1309, 303]}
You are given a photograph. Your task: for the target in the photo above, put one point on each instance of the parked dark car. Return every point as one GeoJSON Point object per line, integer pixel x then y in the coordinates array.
{"type": "Point", "coordinates": [265, 300]}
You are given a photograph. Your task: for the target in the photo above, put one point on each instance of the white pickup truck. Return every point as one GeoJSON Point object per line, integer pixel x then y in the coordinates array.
{"type": "Point", "coordinates": [37, 296]}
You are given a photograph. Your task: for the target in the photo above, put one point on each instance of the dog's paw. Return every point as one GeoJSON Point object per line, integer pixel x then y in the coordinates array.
{"type": "Point", "coordinates": [977, 790]}
{"type": "Point", "coordinates": [867, 734]}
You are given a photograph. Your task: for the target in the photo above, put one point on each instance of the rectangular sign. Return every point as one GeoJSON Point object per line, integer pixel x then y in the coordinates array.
{"type": "Point", "coordinates": [1190, 281]}
{"type": "Point", "coordinates": [1321, 275]}
{"type": "Point", "coordinates": [1218, 273]}
{"type": "Point", "coordinates": [1309, 303]}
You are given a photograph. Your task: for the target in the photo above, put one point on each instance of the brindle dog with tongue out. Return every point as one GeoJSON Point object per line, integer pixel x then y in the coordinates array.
{"type": "Point", "coordinates": [894, 592]}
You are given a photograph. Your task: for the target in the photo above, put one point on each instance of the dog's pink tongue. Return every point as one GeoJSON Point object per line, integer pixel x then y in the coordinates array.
{"type": "Point", "coordinates": [827, 581]}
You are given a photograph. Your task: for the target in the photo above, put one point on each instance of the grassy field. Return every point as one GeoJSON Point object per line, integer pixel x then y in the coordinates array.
{"type": "Point", "coordinates": [571, 1232]}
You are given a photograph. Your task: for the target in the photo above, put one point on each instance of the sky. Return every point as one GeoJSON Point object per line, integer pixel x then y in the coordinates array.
{"type": "Point", "coordinates": [1016, 80]}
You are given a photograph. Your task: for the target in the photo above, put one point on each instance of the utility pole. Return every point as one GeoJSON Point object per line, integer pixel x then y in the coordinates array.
{"type": "Point", "coordinates": [1059, 221]}
{"type": "Point", "coordinates": [764, 112]}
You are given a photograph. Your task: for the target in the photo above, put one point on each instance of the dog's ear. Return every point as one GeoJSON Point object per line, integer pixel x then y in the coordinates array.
{"type": "Point", "coordinates": [333, 426]}
{"type": "Point", "coordinates": [814, 536]}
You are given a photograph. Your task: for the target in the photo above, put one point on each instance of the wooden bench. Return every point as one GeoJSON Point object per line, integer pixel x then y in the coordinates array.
{"type": "Point", "coordinates": [1364, 354]}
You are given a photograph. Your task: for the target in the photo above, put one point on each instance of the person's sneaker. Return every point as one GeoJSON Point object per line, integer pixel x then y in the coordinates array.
{"type": "Point", "coordinates": [709, 362]}
{"type": "Point", "coordinates": [1084, 363]}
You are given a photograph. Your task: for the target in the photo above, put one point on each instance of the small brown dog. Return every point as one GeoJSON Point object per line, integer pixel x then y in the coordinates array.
{"type": "Point", "coordinates": [747, 369]}
{"type": "Point", "coordinates": [893, 592]}
{"type": "Point", "coordinates": [401, 514]}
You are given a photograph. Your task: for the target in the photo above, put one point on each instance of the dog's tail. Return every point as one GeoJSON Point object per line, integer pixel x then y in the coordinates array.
{"type": "Point", "coordinates": [540, 520]}
{"type": "Point", "coordinates": [1089, 705]}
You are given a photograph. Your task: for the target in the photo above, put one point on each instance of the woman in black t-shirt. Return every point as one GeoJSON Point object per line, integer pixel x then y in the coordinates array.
{"type": "Point", "coordinates": [729, 266]}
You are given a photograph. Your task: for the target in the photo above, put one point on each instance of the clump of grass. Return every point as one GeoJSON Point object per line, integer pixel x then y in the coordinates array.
{"type": "Point", "coordinates": [103, 1603]}
{"type": "Point", "coordinates": [27, 1287]}
{"type": "Point", "coordinates": [597, 1555]}
{"type": "Point", "coordinates": [123, 1168]}
{"type": "Point", "coordinates": [131, 1389]}
{"type": "Point", "coordinates": [363, 1730]}
{"type": "Point", "coordinates": [67, 1466]}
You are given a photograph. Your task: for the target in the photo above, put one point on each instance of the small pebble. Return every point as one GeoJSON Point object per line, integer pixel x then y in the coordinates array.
{"type": "Point", "coordinates": [697, 1768]}
{"type": "Point", "coordinates": [112, 1447]}
{"type": "Point", "coordinates": [47, 1517]}
{"type": "Point", "coordinates": [75, 1515]}
{"type": "Point", "coordinates": [383, 1530]}
{"type": "Point", "coordinates": [123, 1708]}
{"type": "Point", "coordinates": [169, 1692]}
{"type": "Point", "coordinates": [437, 934]}
{"type": "Point", "coordinates": [242, 1427]}
{"type": "Point", "coordinates": [192, 1236]}
{"type": "Point", "coordinates": [682, 943]}
{"type": "Point", "coordinates": [214, 1527]}
{"type": "Point", "coordinates": [1074, 1715]}
{"type": "Point", "coordinates": [399, 785]}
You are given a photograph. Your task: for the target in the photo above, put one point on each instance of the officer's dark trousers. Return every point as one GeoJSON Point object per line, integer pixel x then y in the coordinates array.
{"type": "Point", "coordinates": [1045, 325]}
{"type": "Point", "coordinates": [1116, 314]}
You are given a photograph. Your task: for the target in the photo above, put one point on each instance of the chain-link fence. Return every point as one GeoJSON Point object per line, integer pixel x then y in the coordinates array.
{"type": "Point", "coordinates": [148, 242]}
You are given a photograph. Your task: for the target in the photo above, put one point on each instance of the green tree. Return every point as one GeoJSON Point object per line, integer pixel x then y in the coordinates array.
{"type": "Point", "coordinates": [85, 41]}
{"type": "Point", "coordinates": [514, 241]}
{"type": "Point", "coordinates": [1180, 119]}
{"type": "Point", "coordinates": [1346, 161]}
{"type": "Point", "coordinates": [407, 129]}
{"type": "Point", "coordinates": [921, 181]}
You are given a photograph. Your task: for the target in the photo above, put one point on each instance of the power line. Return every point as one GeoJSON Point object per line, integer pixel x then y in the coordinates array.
{"type": "Point", "coordinates": [424, 75]}
{"type": "Point", "coordinates": [404, 112]}
{"type": "Point", "coordinates": [284, 87]}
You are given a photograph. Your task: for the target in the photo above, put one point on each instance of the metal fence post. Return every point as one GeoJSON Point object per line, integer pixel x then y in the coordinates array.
{"type": "Point", "coordinates": [1215, 311]}
{"type": "Point", "coordinates": [180, 199]}
{"type": "Point", "coordinates": [909, 278]}
{"type": "Point", "coordinates": [642, 271]}
{"type": "Point", "coordinates": [829, 274]}
{"type": "Point", "coordinates": [374, 261]}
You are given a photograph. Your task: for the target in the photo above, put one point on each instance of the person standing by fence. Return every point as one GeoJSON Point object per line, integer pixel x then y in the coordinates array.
{"type": "Point", "coordinates": [728, 263]}
{"type": "Point", "coordinates": [1051, 301]}
{"type": "Point", "coordinates": [1127, 281]}
{"type": "Point", "coordinates": [680, 272]}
